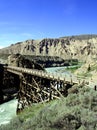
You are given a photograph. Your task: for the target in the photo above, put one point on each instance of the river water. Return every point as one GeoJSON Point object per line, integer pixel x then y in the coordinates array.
{"type": "Point", "coordinates": [62, 72]}
{"type": "Point", "coordinates": [58, 70]}
{"type": "Point", "coordinates": [8, 110]}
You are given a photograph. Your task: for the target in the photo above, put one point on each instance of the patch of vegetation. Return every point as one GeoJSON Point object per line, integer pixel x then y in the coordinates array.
{"type": "Point", "coordinates": [30, 112]}
{"type": "Point", "coordinates": [72, 69]}
{"type": "Point", "coordinates": [94, 67]}
{"type": "Point", "coordinates": [76, 112]}
{"type": "Point", "coordinates": [84, 75]}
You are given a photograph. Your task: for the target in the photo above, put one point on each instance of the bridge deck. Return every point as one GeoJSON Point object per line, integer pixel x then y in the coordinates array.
{"type": "Point", "coordinates": [40, 73]}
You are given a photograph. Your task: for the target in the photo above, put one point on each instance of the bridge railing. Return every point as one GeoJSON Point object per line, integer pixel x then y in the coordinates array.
{"type": "Point", "coordinates": [40, 73]}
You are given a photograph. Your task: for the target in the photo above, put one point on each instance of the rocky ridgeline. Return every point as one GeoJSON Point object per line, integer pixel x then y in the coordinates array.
{"type": "Point", "coordinates": [77, 47]}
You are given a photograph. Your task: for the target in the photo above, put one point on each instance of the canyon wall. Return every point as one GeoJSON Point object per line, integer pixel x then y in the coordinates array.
{"type": "Point", "coordinates": [74, 47]}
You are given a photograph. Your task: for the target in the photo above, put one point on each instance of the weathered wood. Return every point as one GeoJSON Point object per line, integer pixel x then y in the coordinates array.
{"type": "Point", "coordinates": [47, 93]}
{"type": "Point", "coordinates": [56, 91]}
{"type": "Point", "coordinates": [31, 86]}
{"type": "Point", "coordinates": [52, 94]}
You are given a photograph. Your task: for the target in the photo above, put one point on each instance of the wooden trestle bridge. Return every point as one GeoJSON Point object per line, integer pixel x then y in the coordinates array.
{"type": "Point", "coordinates": [37, 85]}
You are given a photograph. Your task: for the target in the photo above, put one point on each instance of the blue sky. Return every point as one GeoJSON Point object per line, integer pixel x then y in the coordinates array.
{"type": "Point", "coordinates": [36, 19]}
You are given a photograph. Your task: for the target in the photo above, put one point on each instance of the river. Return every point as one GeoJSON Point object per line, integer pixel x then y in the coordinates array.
{"type": "Point", "coordinates": [62, 72]}
{"type": "Point", "coordinates": [58, 70]}
{"type": "Point", "coordinates": [8, 109]}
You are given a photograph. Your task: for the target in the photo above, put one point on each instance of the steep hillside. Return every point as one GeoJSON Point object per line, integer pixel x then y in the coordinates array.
{"type": "Point", "coordinates": [77, 47]}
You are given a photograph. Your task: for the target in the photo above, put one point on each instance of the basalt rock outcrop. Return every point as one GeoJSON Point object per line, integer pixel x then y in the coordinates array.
{"type": "Point", "coordinates": [51, 61]}
{"type": "Point", "coordinates": [74, 47]}
{"type": "Point", "coordinates": [21, 61]}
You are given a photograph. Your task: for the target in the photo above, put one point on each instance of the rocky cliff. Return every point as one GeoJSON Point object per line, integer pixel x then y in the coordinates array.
{"type": "Point", "coordinates": [76, 47]}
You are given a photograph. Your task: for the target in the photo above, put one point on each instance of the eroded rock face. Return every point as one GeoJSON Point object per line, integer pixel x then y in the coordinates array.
{"type": "Point", "coordinates": [76, 47]}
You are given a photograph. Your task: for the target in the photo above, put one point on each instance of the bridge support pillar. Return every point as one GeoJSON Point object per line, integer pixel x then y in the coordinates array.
{"type": "Point", "coordinates": [22, 101]}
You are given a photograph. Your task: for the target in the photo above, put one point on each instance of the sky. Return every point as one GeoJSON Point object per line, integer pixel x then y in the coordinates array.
{"type": "Point", "coordinates": [36, 19]}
